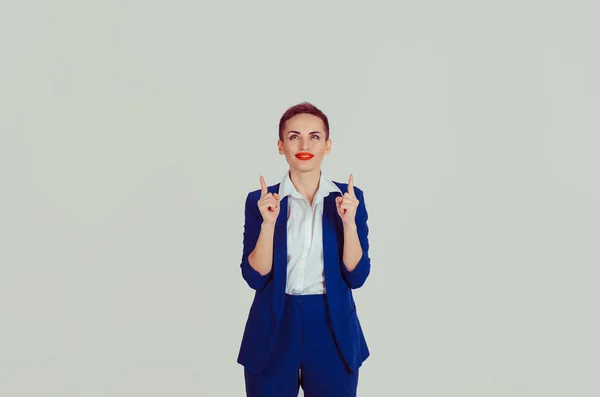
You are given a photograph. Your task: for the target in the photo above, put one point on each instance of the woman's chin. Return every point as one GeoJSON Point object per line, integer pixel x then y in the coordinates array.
{"type": "Point", "coordinates": [305, 167]}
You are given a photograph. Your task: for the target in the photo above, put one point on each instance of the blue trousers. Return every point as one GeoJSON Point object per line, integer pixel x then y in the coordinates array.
{"type": "Point", "coordinates": [304, 354]}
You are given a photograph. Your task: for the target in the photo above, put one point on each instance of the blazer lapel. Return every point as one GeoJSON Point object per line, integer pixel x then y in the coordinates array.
{"type": "Point", "coordinates": [330, 255]}
{"type": "Point", "coordinates": [280, 257]}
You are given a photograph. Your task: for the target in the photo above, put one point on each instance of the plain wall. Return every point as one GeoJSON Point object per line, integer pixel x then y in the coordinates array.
{"type": "Point", "coordinates": [131, 132]}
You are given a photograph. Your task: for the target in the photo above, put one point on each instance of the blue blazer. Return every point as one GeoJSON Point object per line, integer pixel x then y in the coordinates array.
{"type": "Point", "coordinates": [266, 309]}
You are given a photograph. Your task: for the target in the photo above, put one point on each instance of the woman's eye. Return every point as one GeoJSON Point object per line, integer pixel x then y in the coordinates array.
{"type": "Point", "coordinates": [316, 136]}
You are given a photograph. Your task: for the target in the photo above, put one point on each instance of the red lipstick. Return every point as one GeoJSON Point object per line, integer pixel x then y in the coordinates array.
{"type": "Point", "coordinates": [304, 156]}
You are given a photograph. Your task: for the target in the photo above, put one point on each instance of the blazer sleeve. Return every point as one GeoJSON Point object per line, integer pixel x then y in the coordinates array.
{"type": "Point", "coordinates": [252, 227]}
{"type": "Point", "coordinates": [357, 277]}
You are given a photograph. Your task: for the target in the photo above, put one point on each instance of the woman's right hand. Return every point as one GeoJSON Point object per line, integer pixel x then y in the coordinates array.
{"type": "Point", "coordinates": [268, 204]}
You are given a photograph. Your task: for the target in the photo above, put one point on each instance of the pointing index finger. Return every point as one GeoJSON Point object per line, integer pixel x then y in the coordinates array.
{"type": "Point", "coordinates": [263, 186]}
{"type": "Point", "coordinates": [351, 185]}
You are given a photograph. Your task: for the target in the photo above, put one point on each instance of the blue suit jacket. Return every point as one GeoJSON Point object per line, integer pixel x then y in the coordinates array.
{"type": "Point", "coordinates": [266, 309]}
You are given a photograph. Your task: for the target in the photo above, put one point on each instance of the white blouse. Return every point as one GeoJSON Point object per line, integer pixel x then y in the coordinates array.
{"type": "Point", "coordinates": [305, 237]}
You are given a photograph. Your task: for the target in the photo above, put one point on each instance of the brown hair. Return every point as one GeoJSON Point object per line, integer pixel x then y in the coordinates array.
{"type": "Point", "coordinates": [304, 107]}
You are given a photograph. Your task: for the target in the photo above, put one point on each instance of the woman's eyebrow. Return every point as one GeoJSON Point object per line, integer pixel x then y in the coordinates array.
{"type": "Point", "coordinates": [296, 132]}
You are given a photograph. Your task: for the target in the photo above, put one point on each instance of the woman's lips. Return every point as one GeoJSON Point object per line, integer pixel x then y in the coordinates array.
{"type": "Point", "coordinates": [304, 156]}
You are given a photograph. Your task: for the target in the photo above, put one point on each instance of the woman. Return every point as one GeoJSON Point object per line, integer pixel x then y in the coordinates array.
{"type": "Point", "coordinates": [303, 328]}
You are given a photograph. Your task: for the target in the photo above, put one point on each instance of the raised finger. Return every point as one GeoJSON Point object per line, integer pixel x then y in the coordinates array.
{"type": "Point", "coordinates": [351, 185]}
{"type": "Point", "coordinates": [263, 186]}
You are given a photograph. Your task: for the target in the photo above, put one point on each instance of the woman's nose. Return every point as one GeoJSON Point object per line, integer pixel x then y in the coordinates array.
{"type": "Point", "coordinates": [304, 144]}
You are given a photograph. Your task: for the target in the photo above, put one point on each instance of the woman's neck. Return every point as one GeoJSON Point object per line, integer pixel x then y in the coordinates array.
{"type": "Point", "coordinates": [306, 183]}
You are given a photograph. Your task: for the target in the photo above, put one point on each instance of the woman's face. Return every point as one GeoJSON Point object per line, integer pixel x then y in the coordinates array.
{"type": "Point", "coordinates": [304, 133]}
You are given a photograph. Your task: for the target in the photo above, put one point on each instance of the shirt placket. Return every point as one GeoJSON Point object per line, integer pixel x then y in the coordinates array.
{"type": "Point", "coordinates": [306, 241]}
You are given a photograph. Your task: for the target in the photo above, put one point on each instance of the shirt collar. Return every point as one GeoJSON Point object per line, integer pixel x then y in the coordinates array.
{"type": "Point", "coordinates": [326, 186]}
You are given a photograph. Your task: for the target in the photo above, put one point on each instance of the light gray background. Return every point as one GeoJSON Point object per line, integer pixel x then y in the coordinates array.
{"type": "Point", "coordinates": [131, 132]}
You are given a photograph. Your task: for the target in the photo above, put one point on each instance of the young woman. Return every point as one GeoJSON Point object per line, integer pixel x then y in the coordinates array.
{"type": "Point", "coordinates": [305, 248]}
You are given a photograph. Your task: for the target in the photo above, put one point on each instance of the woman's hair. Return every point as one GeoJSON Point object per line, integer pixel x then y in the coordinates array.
{"type": "Point", "coordinates": [304, 107]}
